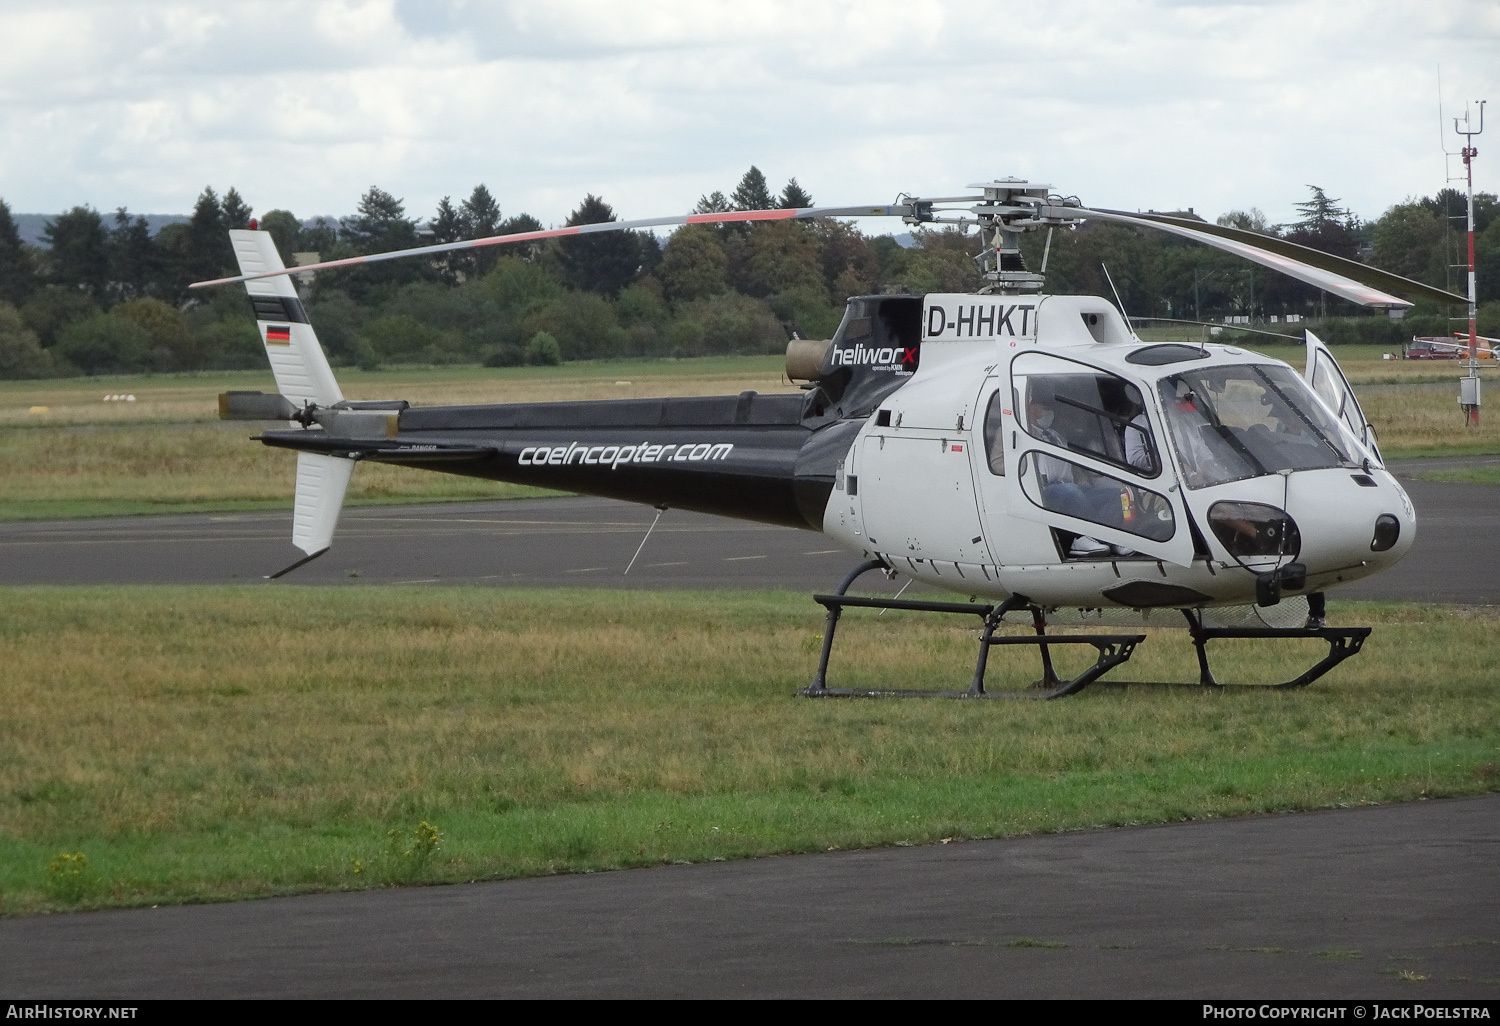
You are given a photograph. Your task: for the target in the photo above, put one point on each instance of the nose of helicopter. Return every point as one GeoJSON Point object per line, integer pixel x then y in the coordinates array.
{"type": "Point", "coordinates": [1352, 524]}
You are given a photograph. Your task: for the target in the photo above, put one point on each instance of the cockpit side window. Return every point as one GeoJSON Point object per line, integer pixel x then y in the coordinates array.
{"type": "Point", "coordinates": [1085, 410]}
{"type": "Point", "coordinates": [994, 440]}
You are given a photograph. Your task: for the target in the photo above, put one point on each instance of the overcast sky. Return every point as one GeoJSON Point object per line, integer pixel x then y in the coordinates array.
{"type": "Point", "coordinates": [303, 105]}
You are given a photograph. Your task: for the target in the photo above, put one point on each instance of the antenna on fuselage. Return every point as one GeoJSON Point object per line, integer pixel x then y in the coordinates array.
{"type": "Point", "coordinates": [1118, 302]}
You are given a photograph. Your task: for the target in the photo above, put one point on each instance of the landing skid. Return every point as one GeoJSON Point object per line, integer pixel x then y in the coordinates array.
{"type": "Point", "coordinates": [1343, 642]}
{"type": "Point", "coordinates": [1113, 649]}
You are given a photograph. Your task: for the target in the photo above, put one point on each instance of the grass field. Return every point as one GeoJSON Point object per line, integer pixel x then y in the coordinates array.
{"type": "Point", "coordinates": [167, 452]}
{"type": "Point", "coordinates": [1463, 475]}
{"type": "Point", "coordinates": [193, 398]}
{"type": "Point", "coordinates": [207, 744]}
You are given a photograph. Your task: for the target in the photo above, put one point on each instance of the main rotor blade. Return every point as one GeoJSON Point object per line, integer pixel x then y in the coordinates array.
{"type": "Point", "coordinates": [1348, 279]}
{"type": "Point", "coordinates": [781, 214]}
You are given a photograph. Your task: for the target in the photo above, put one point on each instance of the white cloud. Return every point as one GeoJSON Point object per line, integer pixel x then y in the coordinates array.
{"type": "Point", "coordinates": [1133, 104]}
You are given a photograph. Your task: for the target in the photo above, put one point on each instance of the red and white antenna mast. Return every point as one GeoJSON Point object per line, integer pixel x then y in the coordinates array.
{"type": "Point", "coordinates": [1468, 388]}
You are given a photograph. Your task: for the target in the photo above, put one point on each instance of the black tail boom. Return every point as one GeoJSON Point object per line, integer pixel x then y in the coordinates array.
{"type": "Point", "coordinates": [751, 456]}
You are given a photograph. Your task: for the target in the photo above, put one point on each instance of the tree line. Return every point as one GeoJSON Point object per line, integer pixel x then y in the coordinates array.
{"type": "Point", "coordinates": [105, 295]}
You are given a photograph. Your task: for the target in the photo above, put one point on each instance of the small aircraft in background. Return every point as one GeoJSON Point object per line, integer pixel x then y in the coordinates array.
{"type": "Point", "coordinates": [1426, 347]}
{"type": "Point", "coordinates": [1026, 449]}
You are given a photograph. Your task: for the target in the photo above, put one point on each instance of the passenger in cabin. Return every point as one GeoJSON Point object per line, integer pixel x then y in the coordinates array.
{"type": "Point", "coordinates": [1198, 441]}
{"type": "Point", "coordinates": [1136, 441]}
{"type": "Point", "coordinates": [1136, 431]}
{"type": "Point", "coordinates": [1062, 491]}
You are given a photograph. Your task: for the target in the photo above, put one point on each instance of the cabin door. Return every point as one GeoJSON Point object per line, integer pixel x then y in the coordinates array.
{"type": "Point", "coordinates": [1327, 379]}
{"type": "Point", "coordinates": [1084, 445]}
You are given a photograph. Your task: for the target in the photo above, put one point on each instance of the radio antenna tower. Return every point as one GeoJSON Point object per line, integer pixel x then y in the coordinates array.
{"type": "Point", "coordinates": [1468, 387]}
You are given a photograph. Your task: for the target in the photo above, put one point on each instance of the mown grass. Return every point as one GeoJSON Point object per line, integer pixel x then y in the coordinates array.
{"type": "Point", "coordinates": [1462, 475]}
{"type": "Point", "coordinates": [203, 744]}
{"type": "Point", "coordinates": [115, 469]}
{"type": "Point", "coordinates": [192, 398]}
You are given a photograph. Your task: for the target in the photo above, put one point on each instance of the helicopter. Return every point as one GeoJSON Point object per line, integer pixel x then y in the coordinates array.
{"type": "Point", "coordinates": [1027, 451]}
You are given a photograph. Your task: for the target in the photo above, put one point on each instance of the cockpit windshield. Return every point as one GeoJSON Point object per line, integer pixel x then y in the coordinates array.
{"type": "Point", "coordinates": [1232, 423]}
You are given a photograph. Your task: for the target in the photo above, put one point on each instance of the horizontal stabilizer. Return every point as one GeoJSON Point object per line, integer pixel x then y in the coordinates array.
{"type": "Point", "coordinates": [255, 406]}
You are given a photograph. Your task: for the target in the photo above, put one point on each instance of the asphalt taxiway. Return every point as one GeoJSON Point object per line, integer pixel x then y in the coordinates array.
{"type": "Point", "coordinates": [1396, 902]}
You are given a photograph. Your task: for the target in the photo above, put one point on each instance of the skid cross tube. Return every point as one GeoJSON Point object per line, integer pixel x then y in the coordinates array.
{"type": "Point", "coordinates": [1114, 649]}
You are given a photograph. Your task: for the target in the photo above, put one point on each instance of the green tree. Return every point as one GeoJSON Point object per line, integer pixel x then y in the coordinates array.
{"type": "Point", "coordinates": [53, 308]}
{"type": "Point", "coordinates": [519, 286]}
{"type": "Point", "coordinates": [230, 344]}
{"type": "Point", "coordinates": [481, 214]}
{"type": "Point", "coordinates": [234, 211]}
{"type": "Point", "coordinates": [448, 308]}
{"type": "Point", "coordinates": [1408, 240]}
{"type": "Point", "coordinates": [1252, 220]}
{"type": "Point", "coordinates": [775, 257]}
{"type": "Point", "coordinates": [447, 225]}
{"type": "Point", "coordinates": [169, 345]}
{"type": "Point", "coordinates": [379, 226]}
{"type": "Point", "coordinates": [603, 263]}
{"type": "Point", "coordinates": [543, 350]}
{"type": "Point", "coordinates": [321, 236]}
{"type": "Point", "coordinates": [794, 196]}
{"type": "Point", "coordinates": [519, 225]}
{"type": "Point", "coordinates": [730, 323]}
{"type": "Point", "coordinates": [1487, 266]}
{"type": "Point", "coordinates": [850, 264]}
{"type": "Point", "coordinates": [1325, 225]}
{"type": "Point", "coordinates": [693, 264]}
{"type": "Point", "coordinates": [17, 275]}
{"type": "Point", "coordinates": [752, 193]}
{"type": "Point", "coordinates": [286, 231]}
{"type": "Point", "coordinates": [892, 257]}
{"type": "Point", "coordinates": [402, 338]}
{"type": "Point", "coordinates": [338, 319]}
{"type": "Point", "coordinates": [942, 260]}
{"type": "Point", "coordinates": [643, 314]}
{"type": "Point", "coordinates": [78, 250]}
{"type": "Point", "coordinates": [203, 250]}
{"type": "Point", "coordinates": [21, 355]}
{"type": "Point", "coordinates": [583, 323]}
{"type": "Point", "coordinates": [641, 304]}
{"type": "Point", "coordinates": [104, 344]}
{"type": "Point", "coordinates": [714, 203]}
{"type": "Point", "coordinates": [135, 264]}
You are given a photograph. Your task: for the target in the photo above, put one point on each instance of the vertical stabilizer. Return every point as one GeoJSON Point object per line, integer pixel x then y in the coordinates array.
{"type": "Point", "coordinates": [321, 483]}
{"type": "Point", "coordinates": [301, 368]}
{"type": "Point", "coordinates": [303, 376]}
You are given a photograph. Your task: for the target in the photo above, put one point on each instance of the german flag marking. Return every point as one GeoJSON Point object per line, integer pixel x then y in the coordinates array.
{"type": "Point", "coordinates": [278, 334]}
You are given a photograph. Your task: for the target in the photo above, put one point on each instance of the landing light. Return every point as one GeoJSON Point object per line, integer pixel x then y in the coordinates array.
{"type": "Point", "coordinates": [1387, 531]}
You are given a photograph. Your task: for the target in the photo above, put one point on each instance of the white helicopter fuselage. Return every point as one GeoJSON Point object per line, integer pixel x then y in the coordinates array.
{"type": "Point", "coordinates": [1160, 481]}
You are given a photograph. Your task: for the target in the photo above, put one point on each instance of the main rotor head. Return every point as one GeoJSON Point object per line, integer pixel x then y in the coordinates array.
{"type": "Point", "coordinates": [1003, 210]}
